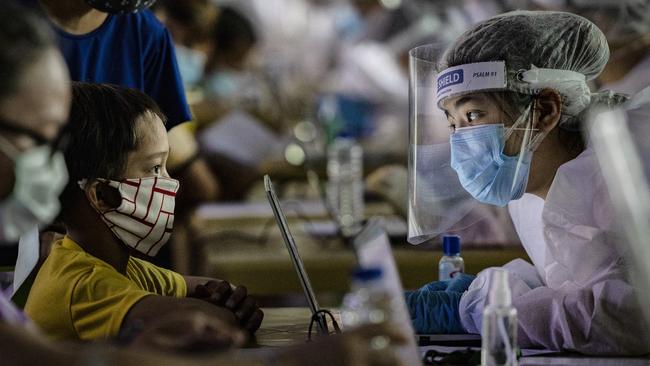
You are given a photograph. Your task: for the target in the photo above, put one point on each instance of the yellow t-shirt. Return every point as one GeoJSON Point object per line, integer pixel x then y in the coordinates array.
{"type": "Point", "coordinates": [78, 296]}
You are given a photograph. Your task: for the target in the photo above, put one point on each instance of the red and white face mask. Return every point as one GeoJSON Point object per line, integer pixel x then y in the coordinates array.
{"type": "Point", "coordinates": [145, 217]}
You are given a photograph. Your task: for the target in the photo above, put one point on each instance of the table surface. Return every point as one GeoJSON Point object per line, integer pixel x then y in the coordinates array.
{"type": "Point", "coordinates": [283, 327]}
{"type": "Point", "coordinates": [288, 326]}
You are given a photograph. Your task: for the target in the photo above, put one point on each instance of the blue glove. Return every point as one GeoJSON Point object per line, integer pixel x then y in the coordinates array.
{"type": "Point", "coordinates": [434, 312]}
{"type": "Point", "coordinates": [435, 286]}
{"type": "Point", "coordinates": [434, 307]}
{"type": "Point", "coordinates": [460, 283]}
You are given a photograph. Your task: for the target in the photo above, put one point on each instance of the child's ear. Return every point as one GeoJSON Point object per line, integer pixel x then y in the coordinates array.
{"type": "Point", "coordinates": [548, 109]}
{"type": "Point", "coordinates": [102, 196]}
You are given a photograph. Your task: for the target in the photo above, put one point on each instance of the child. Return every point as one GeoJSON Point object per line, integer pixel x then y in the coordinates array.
{"type": "Point", "coordinates": [120, 199]}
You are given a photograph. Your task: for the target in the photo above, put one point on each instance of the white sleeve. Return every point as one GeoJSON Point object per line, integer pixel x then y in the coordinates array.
{"type": "Point", "coordinates": [522, 277]}
{"type": "Point", "coordinates": [601, 319]}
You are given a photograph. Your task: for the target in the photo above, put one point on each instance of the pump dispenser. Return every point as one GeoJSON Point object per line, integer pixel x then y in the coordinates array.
{"type": "Point", "coordinates": [500, 291]}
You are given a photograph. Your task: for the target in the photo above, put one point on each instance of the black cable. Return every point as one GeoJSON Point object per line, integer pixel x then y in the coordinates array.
{"type": "Point", "coordinates": [315, 319]}
{"type": "Point", "coordinates": [461, 357]}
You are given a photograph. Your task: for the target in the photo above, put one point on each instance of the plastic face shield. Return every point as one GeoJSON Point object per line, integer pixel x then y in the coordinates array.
{"type": "Point", "coordinates": [436, 199]}
{"type": "Point", "coordinates": [438, 202]}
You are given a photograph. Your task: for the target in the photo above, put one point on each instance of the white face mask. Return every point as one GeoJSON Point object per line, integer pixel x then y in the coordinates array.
{"type": "Point", "coordinates": [40, 177]}
{"type": "Point", "coordinates": [145, 217]}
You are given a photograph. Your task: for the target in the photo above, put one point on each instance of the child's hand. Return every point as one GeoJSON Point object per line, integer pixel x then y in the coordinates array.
{"type": "Point", "coordinates": [189, 332]}
{"type": "Point", "coordinates": [221, 293]}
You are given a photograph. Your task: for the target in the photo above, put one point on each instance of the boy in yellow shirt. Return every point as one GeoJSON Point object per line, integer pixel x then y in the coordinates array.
{"type": "Point", "coordinates": [120, 199]}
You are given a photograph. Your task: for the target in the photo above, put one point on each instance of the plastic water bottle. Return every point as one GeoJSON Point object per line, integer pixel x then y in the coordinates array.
{"type": "Point", "coordinates": [367, 302]}
{"type": "Point", "coordinates": [345, 183]}
{"type": "Point", "coordinates": [451, 262]}
{"type": "Point", "coordinates": [499, 332]}
{"type": "Point", "coordinates": [370, 302]}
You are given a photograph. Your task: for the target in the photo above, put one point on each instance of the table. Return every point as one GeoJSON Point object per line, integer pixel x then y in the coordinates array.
{"type": "Point", "coordinates": [288, 326]}
{"type": "Point", "coordinates": [283, 327]}
{"type": "Point", "coordinates": [227, 240]}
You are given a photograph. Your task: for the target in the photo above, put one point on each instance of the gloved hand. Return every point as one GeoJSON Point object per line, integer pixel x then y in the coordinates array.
{"type": "Point", "coordinates": [434, 307]}
{"type": "Point", "coordinates": [460, 283]}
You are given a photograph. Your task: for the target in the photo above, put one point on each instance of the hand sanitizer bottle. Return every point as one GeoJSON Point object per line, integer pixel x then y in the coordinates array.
{"type": "Point", "coordinates": [451, 262]}
{"type": "Point", "coordinates": [499, 330]}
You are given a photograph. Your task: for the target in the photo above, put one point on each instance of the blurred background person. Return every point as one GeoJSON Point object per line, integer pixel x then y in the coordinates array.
{"type": "Point", "coordinates": [232, 103]}
{"type": "Point", "coordinates": [190, 23]}
{"type": "Point", "coordinates": [34, 104]}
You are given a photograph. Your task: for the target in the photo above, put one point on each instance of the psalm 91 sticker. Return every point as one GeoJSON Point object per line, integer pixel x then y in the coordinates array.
{"type": "Point", "coordinates": [470, 78]}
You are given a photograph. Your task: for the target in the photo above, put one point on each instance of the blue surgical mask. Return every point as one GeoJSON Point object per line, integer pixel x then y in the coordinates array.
{"type": "Point", "coordinates": [484, 170]}
{"type": "Point", "coordinates": [190, 64]}
{"type": "Point", "coordinates": [225, 84]}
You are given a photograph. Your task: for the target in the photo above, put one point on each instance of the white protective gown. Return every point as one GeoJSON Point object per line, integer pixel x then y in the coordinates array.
{"type": "Point", "coordinates": [575, 296]}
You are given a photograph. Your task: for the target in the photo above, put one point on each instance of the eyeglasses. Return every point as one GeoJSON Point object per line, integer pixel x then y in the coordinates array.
{"type": "Point", "coordinates": [315, 319]}
{"type": "Point", "coordinates": [60, 143]}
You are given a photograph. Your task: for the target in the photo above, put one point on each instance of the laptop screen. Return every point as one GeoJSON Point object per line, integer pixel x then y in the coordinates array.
{"type": "Point", "coordinates": [290, 244]}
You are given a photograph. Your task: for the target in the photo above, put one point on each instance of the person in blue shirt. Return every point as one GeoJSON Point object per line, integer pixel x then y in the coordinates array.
{"type": "Point", "coordinates": [105, 44]}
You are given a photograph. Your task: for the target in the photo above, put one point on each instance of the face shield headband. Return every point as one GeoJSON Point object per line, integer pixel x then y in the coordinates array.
{"type": "Point", "coordinates": [494, 76]}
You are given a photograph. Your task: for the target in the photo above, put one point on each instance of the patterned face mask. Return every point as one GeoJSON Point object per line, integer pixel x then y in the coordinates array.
{"type": "Point", "coordinates": [145, 217]}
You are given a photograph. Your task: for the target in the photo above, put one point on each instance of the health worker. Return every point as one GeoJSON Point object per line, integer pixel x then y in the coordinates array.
{"type": "Point", "coordinates": [514, 90]}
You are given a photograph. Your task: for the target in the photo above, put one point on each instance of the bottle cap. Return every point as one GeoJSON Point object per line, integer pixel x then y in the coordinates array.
{"type": "Point", "coordinates": [367, 274]}
{"type": "Point", "coordinates": [499, 294]}
{"type": "Point", "coordinates": [451, 245]}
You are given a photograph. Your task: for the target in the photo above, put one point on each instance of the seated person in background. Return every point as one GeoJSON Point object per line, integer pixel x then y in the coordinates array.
{"type": "Point", "coordinates": [120, 199]}
{"type": "Point", "coordinates": [190, 23]}
{"type": "Point", "coordinates": [236, 78]}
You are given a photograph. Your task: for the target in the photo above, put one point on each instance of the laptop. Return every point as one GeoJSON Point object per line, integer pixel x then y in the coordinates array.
{"type": "Point", "coordinates": [281, 220]}
{"type": "Point", "coordinates": [372, 249]}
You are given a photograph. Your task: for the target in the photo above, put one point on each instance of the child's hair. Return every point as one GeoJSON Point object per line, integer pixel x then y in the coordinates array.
{"type": "Point", "coordinates": [102, 125]}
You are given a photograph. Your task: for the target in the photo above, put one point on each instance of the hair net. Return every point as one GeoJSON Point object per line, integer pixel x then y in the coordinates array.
{"type": "Point", "coordinates": [538, 48]}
